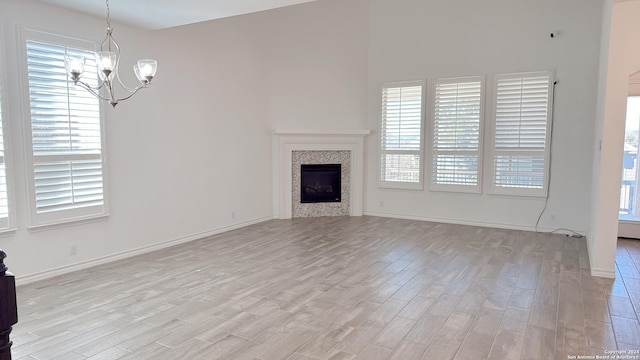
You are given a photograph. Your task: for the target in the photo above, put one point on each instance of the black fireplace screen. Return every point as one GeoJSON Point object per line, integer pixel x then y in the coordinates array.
{"type": "Point", "coordinates": [320, 183]}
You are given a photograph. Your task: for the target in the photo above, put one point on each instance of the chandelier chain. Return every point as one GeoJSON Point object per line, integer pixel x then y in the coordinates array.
{"type": "Point", "coordinates": [108, 16]}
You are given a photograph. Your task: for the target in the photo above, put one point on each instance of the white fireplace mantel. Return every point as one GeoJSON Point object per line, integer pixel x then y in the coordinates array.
{"type": "Point", "coordinates": [288, 140]}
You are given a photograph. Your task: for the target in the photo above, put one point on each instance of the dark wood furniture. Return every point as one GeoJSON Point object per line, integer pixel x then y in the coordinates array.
{"type": "Point", "coordinates": [8, 308]}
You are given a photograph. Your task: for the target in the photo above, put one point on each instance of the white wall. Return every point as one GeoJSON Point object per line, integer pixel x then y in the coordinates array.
{"type": "Point", "coordinates": [620, 59]}
{"type": "Point", "coordinates": [316, 59]}
{"type": "Point", "coordinates": [634, 84]}
{"type": "Point", "coordinates": [195, 147]}
{"type": "Point", "coordinates": [415, 39]}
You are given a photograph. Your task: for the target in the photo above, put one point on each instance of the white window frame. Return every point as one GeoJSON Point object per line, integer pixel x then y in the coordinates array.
{"type": "Point", "coordinates": [71, 214]}
{"type": "Point", "coordinates": [442, 148]}
{"type": "Point", "coordinates": [383, 182]}
{"type": "Point", "coordinates": [522, 150]}
{"type": "Point", "coordinates": [7, 223]}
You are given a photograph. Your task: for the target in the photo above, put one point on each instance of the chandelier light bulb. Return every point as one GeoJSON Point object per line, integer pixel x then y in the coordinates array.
{"type": "Point", "coordinates": [106, 61]}
{"type": "Point", "coordinates": [145, 70]}
{"type": "Point", "coordinates": [75, 66]}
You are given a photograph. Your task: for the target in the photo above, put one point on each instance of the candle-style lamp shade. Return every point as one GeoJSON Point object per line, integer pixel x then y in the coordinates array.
{"type": "Point", "coordinates": [106, 61]}
{"type": "Point", "coordinates": [75, 66]}
{"type": "Point", "coordinates": [145, 70]}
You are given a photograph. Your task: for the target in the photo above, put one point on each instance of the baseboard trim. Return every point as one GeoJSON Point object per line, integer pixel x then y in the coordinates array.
{"type": "Point", "coordinates": [43, 275]}
{"type": "Point", "coordinates": [465, 222]}
{"type": "Point", "coordinates": [603, 273]}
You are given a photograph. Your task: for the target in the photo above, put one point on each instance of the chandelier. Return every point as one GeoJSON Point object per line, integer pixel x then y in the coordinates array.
{"type": "Point", "coordinates": [107, 60]}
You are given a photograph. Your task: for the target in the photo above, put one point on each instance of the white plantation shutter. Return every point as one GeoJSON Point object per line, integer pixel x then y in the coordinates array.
{"type": "Point", "coordinates": [457, 128]}
{"type": "Point", "coordinates": [521, 133]}
{"type": "Point", "coordinates": [401, 135]}
{"type": "Point", "coordinates": [4, 201]}
{"type": "Point", "coordinates": [66, 137]}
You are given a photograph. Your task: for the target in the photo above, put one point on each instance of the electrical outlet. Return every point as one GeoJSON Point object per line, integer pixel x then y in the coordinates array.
{"type": "Point", "coordinates": [73, 249]}
{"type": "Point", "coordinates": [552, 218]}
{"type": "Point", "coordinates": [381, 203]}
{"type": "Point", "coordinates": [233, 214]}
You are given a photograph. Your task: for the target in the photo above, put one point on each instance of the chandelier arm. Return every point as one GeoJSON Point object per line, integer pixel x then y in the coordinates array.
{"type": "Point", "coordinates": [132, 93]}
{"type": "Point", "coordinates": [112, 40]}
{"type": "Point", "coordinates": [94, 91]}
{"type": "Point", "coordinates": [112, 96]}
{"type": "Point", "coordinates": [125, 87]}
{"type": "Point", "coordinates": [117, 49]}
{"type": "Point", "coordinates": [86, 86]}
{"type": "Point", "coordinates": [105, 41]}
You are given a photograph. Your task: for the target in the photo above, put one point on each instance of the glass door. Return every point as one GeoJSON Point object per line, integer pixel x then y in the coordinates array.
{"type": "Point", "coordinates": [629, 214]}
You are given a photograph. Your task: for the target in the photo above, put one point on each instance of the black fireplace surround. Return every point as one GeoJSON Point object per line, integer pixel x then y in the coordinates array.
{"type": "Point", "coordinates": [320, 183]}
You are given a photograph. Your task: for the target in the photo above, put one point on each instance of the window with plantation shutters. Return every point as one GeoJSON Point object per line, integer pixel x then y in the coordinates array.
{"type": "Point", "coordinates": [457, 134]}
{"type": "Point", "coordinates": [4, 200]}
{"type": "Point", "coordinates": [521, 133]}
{"type": "Point", "coordinates": [66, 135]}
{"type": "Point", "coordinates": [401, 144]}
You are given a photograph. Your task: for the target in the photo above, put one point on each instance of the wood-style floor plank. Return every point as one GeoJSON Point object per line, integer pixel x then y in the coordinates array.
{"type": "Point", "coordinates": [340, 288]}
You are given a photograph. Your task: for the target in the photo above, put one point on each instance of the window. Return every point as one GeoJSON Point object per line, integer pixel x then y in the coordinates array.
{"type": "Point", "coordinates": [401, 141]}
{"type": "Point", "coordinates": [629, 208]}
{"type": "Point", "coordinates": [4, 204]}
{"type": "Point", "coordinates": [456, 134]}
{"type": "Point", "coordinates": [66, 142]}
{"type": "Point", "coordinates": [5, 213]}
{"type": "Point", "coordinates": [521, 133]}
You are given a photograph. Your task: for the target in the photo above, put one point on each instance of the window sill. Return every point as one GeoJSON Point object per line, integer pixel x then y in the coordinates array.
{"type": "Point", "coordinates": [69, 223]}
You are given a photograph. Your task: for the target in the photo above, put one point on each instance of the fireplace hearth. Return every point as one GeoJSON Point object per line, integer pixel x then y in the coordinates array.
{"type": "Point", "coordinates": [320, 183]}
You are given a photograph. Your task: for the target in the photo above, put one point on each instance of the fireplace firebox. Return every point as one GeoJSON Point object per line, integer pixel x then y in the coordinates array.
{"type": "Point", "coordinates": [320, 183]}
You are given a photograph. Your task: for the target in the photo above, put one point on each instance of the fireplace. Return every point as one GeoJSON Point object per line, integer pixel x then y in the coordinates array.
{"type": "Point", "coordinates": [326, 182]}
{"type": "Point", "coordinates": [320, 183]}
{"type": "Point", "coordinates": [294, 148]}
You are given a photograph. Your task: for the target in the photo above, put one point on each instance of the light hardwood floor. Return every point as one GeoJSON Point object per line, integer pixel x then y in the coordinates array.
{"type": "Point", "coordinates": [340, 288]}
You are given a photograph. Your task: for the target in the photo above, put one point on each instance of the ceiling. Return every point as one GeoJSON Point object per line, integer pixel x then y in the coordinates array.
{"type": "Point", "coordinates": [161, 14]}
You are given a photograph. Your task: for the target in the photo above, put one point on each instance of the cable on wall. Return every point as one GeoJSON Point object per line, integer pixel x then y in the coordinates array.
{"type": "Point", "coordinates": [572, 233]}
